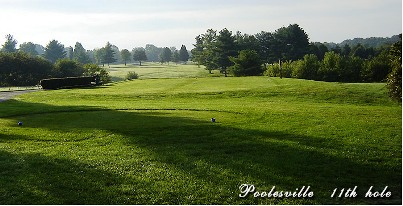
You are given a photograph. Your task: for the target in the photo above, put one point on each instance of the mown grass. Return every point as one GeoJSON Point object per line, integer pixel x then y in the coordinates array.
{"type": "Point", "coordinates": [152, 141]}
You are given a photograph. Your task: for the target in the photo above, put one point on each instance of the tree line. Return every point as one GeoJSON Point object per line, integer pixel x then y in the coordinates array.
{"type": "Point", "coordinates": [32, 62]}
{"type": "Point", "coordinates": [287, 52]}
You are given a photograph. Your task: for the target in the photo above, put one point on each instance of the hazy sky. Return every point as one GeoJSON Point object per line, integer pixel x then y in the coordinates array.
{"type": "Point", "coordinates": [134, 23]}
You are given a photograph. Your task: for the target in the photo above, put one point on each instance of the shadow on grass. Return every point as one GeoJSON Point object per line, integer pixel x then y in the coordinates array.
{"type": "Point", "coordinates": [216, 155]}
{"type": "Point", "coordinates": [39, 179]}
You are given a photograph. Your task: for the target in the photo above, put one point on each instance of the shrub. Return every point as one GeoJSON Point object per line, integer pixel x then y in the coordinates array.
{"type": "Point", "coordinates": [132, 75]}
{"type": "Point", "coordinates": [93, 70]}
{"type": "Point", "coordinates": [20, 69]}
{"type": "Point", "coordinates": [246, 64]}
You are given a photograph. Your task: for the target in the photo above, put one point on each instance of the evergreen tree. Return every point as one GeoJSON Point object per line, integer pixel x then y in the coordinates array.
{"type": "Point", "coordinates": [225, 48]}
{"type": "Point", "coordinates": [183, 54]}
{"type": "Point", "coordinates": [80, 54]}
{"type": "Point", "coordinates": [54, 51]}
{"type": "Point", "coordinates": [166, 55]}
{"type": "Point", "coordinates": [246, 64]}
{"type": "Point", "coordinates": [9, 45]}
{"type": "Point", "coordinates": [197, 52]}
{"type": "Point", "coordinates": [109, 53]}
{"type": "Point", "coordinates": [28, 48]}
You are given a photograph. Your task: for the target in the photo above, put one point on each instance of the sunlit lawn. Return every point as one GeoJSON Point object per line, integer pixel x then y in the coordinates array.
{"type": "Point", "coordinates": [151, 141]}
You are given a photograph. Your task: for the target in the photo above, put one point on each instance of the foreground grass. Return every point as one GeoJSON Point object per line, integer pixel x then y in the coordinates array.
{"type": "Point", "coordinates": [152, 142]}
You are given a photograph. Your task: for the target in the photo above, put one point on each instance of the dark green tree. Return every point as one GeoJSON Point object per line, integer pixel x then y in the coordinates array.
{"type": "Point", "coordinates": [247, 63]}
{"type": "Point", "coordinates": [197, 51]}
{"type": "Point", "coordinates": [80, 54]}
{"type": "Point", "coordinates": [266, 46]}
{"type": "Point", "coordinates": [139, 54]}
{"type": "Point", "coordinates": [209, 53]}
{"type": "Point", "coordinates": [166, 55]}
{"type": "Point", "coordinates": [183, 54]}
{"type": "Point", "coordinates": [291, 43]}
{"type": "Point", "coordinates": [225, 48]}
{"type": "Point", "coordinates": [394, 81]}
{"type": "Point", "coordinates": [126, 56]}
{"type": "Point", "coordinates": [175, 56]}
{"type": "Point", "coordinates": [108, 56]}
{"type": "Point", "coordinates": [246, 42]}
{"type": "Point", "coordinates": [54, 51]}
{"type": "Point", "coordinates": [99, 55]}
{"type": "Point", "coordinates": [28, 48]}
{"type": "Point", "coordinates": [67, 68]}
{"type": "Point", "coordinates": [9, 45]}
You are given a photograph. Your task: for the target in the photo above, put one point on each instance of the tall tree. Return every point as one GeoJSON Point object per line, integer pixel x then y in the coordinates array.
{"type": "Point", "coordinates": [197, 52]}
{"type": "Point", "coordinates": [29, 48]}
{"type": "Point", "coordinates": [175, 56]}
{"type": "Point", "coordinates": [166, 55]}
{"type": "Point", "coordinates": [394, 80]}
{"type": "Point", "coordinates": [266, 45]}
{"type": "Point", "coordinates": [80, 54]}
{"type": "Point", "coordinates": [99, 55]}
{"type": "Point", "coordinates": [153, 52]}
{"type": "Point", "coordinates": [226, 48]}
{"type": "Point", "coordinates": [183, 54]}
{"type": "Point", "coordinates": [126, 56]}
{"type": "Point", "coordinates": [291, 43]}
{"type": "Point", "coordinates": [109, 54]}
{"type": "Point", "coordinates": [9, 45]}
{"type": "Point", "coordinates": [139, 54]}
{"type": "Point", "coordinates": [54, 51]}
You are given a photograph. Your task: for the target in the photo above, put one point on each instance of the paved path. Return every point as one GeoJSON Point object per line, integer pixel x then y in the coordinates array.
{"type": "Point", "coordinates": [9, 95]}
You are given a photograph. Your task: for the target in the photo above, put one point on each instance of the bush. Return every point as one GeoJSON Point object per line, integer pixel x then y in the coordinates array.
{"type": "Point", "coordinates": [20, 69]}
{"type": "Point", "coordinates": [132, 75]}
{"type": "Point", "coordinates": [93, 70]}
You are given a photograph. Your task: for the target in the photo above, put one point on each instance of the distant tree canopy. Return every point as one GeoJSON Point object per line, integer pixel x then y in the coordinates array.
{"type": "Point", "coordinates": [166, 55]}
{"type": "Point", "coordinates": [214, 51]}
{"type": "Point", "coordinates": [29, 48]}
{"type": "Point", "coordinates": [139, 54]}
{"type": "Point", "coordinates": [54, 51]}
{"type": "Point", "coordinates": [125, 55]}
{"type": "Point", "coordinates": [80, 54]}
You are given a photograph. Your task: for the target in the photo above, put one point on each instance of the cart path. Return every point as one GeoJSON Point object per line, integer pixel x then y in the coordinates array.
{"type": "Point", "coordinates": [4, 96]}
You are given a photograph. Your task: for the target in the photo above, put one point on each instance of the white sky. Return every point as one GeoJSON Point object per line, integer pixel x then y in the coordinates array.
{"type": "Point", "coordinates": [134, 23]}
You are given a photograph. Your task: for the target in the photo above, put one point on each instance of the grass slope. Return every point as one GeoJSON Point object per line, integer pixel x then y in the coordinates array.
{"type": "Point", "coordinates": [152, 142]}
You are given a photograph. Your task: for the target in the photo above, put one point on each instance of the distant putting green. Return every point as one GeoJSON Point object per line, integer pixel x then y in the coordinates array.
{"type": "Point", "coordinates": [153, 70]}
{"type": "Point", "coordinates": [152, 141]}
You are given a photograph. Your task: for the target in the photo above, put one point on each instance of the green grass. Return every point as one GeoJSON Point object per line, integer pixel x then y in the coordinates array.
{"type": "Point", "coordinates": [153, 70]}
{"type": "Point", "coordinates": [151, 141]}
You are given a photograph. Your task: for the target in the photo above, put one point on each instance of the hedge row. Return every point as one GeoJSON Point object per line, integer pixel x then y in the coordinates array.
{"type": "Point", "coordinates": [68, 82]}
